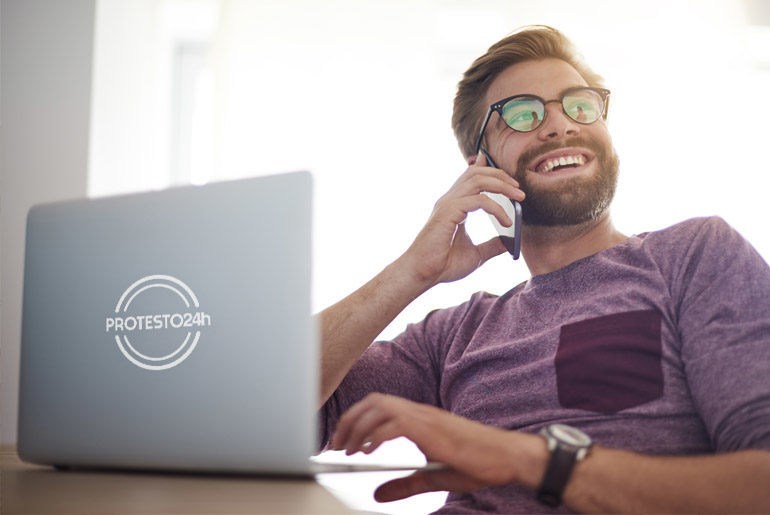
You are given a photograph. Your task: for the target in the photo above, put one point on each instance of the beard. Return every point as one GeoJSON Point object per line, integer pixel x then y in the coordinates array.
{"type": "Point", "coordinates": [574, 200]}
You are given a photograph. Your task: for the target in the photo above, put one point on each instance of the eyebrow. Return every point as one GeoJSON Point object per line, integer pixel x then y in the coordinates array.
{"type": "Point", "coordinates": [561, 93]}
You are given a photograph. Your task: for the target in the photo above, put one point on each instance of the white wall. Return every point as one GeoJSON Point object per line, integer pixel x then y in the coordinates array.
{"type": "Point", "coordinates": [45, 89]}
{"type": "Point", "coordinates": [376, 185]}
{"type": "Point", "coordinates": [360, 92]}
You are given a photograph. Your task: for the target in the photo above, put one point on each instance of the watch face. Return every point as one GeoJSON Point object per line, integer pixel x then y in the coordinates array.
{"type": "Point", "coordinates": [570, 435]}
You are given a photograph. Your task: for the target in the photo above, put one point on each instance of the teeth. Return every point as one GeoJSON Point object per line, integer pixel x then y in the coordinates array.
{"type": "Point", "coordinates": [561, 161]}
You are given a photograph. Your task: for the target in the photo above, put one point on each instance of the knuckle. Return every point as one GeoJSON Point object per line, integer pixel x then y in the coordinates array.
{"type": "Point", "coordinates": [374, 397]}
{"type": "Point", "coordinates": [479, 182]}
{"type": "Point", "coordinates": [442, 202]}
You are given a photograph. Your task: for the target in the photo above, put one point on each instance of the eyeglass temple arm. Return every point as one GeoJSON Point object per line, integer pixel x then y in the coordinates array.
{"type": "Point", "coordinates": [481, 132]}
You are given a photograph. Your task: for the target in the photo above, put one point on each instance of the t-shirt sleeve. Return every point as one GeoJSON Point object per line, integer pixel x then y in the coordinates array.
{"type": "Point", "coordinates": [408, 366]}
{"type": "Point", "coordinates": [724, 323]}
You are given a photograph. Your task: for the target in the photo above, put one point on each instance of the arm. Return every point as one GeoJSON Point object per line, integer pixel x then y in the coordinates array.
{"type": "Point", "coordinates": [348, 327]}
{"type": "Point", "coordinates": [442, 252]}
{"type": "Point", "coordinates": [613, 480]}
{"type": "Point", "coordinates": [608, 480]}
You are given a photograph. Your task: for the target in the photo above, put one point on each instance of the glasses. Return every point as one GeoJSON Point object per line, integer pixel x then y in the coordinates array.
{"type": "Point", "coordinates": [525, 113]}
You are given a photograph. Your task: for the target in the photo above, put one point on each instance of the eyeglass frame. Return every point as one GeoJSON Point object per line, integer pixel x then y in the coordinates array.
{"type": "Point", "coordinates": [498, 108]}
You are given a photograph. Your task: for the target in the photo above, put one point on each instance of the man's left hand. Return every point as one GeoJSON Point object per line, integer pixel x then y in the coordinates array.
{"type": "Point", "coordinates": [477, 455]}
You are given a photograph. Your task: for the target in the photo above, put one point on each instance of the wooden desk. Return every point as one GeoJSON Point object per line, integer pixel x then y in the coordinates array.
{"type": "Point", "coordinates": [26, 488]}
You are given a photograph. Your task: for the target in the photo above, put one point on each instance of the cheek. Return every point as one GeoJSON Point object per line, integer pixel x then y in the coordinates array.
{"type": "Point", "coordinates": [598, 131]}
{"type": "Point", "coordinates": [509, 146]}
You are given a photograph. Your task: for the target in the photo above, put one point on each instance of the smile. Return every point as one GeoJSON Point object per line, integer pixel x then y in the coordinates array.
{"type": "Point", "coordinates": [550, 165]}
{"type": "Point", "coordinates": [564, 159]}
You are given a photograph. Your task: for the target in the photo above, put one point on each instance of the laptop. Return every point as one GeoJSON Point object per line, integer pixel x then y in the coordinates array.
{"type": "Point", "coordinates": [172, 330]}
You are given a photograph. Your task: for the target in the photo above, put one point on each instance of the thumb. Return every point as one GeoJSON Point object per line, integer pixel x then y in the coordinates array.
{"type": "Point", "coordinates": [426, 481]}
{"type": "Point", "coordinates": [489, 249]}
{"type": "Point", "coordinates": [402, 488]}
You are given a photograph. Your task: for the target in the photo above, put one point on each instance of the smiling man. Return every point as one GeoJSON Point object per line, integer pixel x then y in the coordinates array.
{"type": "Point", "coordinates": [628, 374]}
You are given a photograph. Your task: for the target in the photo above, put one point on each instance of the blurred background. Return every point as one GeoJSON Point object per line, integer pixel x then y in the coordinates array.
{"type": "Point", "coordinates": [360, 93]}
{"type": "Point", "coordinates": [157, 93]}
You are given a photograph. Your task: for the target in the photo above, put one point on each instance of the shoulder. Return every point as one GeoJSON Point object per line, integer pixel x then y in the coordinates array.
{"type": "Point", "coordinates": [694, 228]}
{"type": "Point", "coordinates": [710, 238]}
{"type": "Point", "coordinates": [703, 253]}
{"type": "Point", "coordinates": [478, 304]}
{"type": "Point", "coordinates": [447, 322]}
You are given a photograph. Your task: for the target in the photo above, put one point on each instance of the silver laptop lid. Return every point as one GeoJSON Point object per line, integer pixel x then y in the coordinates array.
{"type": "Point", "coordinates": [171, 329]}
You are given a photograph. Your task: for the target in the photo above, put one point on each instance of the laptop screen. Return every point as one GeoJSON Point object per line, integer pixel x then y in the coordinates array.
{"type": "Point", "coordinates": [171, 329]}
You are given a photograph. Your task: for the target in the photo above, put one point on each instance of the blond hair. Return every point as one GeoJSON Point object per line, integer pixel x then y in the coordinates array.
{"type": "Point", "coordinates": [529, 43]}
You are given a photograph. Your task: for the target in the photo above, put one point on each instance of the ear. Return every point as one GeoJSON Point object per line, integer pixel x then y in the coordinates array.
{"type": "Point", "coordinates": [477, 158]}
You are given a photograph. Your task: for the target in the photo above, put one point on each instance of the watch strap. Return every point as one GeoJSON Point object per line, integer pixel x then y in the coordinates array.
{"type": "Point", "coordinates": [557, 474]}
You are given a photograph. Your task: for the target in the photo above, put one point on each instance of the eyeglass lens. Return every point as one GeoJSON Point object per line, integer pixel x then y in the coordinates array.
{"type": "Point", "coordinates": [525, 114]}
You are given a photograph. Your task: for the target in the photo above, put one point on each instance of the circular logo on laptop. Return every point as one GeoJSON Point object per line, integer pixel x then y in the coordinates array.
{"type": "Point", "coordinates": [157, 322]}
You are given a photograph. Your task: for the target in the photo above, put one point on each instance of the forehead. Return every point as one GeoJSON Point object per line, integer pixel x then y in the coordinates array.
{"type": "Point", "coordinates": [546, 78]}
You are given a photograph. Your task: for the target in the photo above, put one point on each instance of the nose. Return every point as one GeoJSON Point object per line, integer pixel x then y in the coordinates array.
{"type": "Point", "coordinates": [557, 125]}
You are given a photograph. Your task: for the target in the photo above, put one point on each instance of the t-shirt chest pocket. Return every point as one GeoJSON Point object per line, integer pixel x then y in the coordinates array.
{"type": "Point", "coordinates": [610, 363]}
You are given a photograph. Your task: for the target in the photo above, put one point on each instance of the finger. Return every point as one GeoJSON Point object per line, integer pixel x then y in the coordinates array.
{"type": "Point", "coordinates": [481, 167]}
{"type": "Point", "coordinates": [383, 433]}
{"type": "Point", "coordinates": [489, 171]}
{"type": "Point", "coordinates": [496, 210]}
{"type": "Point", "coordinates": [401, 488]}
{"type": "Point", "coordinates": [361, 431]}
{"type": "Point", "coordinates": [490, 183]}
{"type": "Point", "coordinates": [426, 481]}
{"type": "Point", "coordinates": [361, 417]}
{"type": "Point", "coordinates": [456, 210]}
{"type": "Point", "coordinates": [346, 421]}
{"type": "Point", "coordinates": [481, 161]}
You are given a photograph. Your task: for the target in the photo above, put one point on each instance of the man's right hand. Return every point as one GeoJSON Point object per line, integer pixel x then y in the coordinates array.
{"type": "Point", "coordinates": [443, 251]}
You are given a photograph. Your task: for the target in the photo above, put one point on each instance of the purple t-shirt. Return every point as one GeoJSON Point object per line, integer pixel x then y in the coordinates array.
{"type": "Point", "coordinates": [659, 345]}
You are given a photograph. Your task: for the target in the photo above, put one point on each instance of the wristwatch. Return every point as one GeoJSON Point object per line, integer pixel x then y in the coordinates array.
{"type": "Point", "coordinates": [567, 446]}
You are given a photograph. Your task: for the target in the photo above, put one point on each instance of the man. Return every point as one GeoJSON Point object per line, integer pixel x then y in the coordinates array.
{"type": "Point", "coordinates": [654, 347]}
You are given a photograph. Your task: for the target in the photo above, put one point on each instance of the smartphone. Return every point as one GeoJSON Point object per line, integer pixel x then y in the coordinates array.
{"type": "Point", "coordinates": [510, 236]}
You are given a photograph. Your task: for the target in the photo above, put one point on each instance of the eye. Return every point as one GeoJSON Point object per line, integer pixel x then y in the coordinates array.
{"type": "Point", "coordinates": [523, 115]}
{"type": "Point", "coordinates": [584, 107]}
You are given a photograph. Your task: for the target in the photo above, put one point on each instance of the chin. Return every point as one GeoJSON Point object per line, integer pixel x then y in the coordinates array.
{"type": "Point", "coordinates": [575, 200]}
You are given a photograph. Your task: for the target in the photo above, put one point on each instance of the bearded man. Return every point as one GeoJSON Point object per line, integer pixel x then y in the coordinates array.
{"type": "Point", "coordinates": [628, 374]}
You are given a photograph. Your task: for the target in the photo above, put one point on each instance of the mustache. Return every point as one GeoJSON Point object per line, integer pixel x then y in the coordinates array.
{"type": "Point", "coordinates": [550, 146]}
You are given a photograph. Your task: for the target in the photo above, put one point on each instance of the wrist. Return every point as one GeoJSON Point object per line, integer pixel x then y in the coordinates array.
{"type": "Point", "coordinates": [410, 269]}
{"type": "Point", "coordinates": [530, 458]}
{"type": "Point", "coordinates": [567, 446]}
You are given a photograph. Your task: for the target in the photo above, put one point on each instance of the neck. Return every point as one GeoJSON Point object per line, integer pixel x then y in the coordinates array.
{"type": "Point", "coordinates": [546, 249]}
